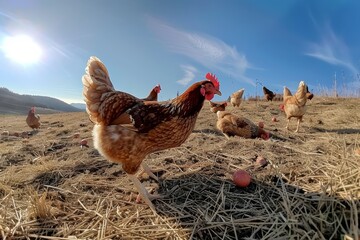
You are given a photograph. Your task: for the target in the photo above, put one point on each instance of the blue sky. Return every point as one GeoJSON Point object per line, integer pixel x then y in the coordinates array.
{"type": "Point", "coordinates": [246, 43]}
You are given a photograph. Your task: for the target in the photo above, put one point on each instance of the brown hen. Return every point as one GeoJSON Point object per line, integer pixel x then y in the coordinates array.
{"type": "Point", "coordinates": [215, 107]}
{"type": "Point", "coordinates": [268, 95]}
{"type": "Point", "coordinates": [236, 98]}
{"type": "Point", "coordinates": [232, 125]}
{"type": "Point", "coordinates": [33, 119]}
{"type": "Point", "coordinates": [155, 125]}
{"type": "Point", "coordinates": [294, 105]}
{"type": "Point", "coordinates": [153, 95]}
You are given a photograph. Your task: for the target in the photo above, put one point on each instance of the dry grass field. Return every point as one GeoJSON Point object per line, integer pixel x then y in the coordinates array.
{"type": "Point", "coordinates": [51, 188]}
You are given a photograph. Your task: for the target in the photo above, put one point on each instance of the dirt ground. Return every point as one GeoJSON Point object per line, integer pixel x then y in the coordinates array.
{"type": "Point", "coordinates": [52, 188]}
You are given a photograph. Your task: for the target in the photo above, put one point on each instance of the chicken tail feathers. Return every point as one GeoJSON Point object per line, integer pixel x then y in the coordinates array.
{"type": "Point", "coordinates": [96, 82]}
{"type": "Point", "coordinates": [241, 92]}
{"type": "Point", "coordinates": [98, 72]}
{"type": "Point", "coordinates": [104, 104]}
{"type": "Point", "coordinates": [301, 93]}
{"type": "Point", "coordinates": [287, 92]}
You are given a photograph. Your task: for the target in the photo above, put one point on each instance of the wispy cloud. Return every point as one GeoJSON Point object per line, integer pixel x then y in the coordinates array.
{"type": "Point", "coordinates": [206, 50]}
{"type": "Point", "coordinates": [332, 49]}
{"type": "Point", "coordinates": [189, 74]}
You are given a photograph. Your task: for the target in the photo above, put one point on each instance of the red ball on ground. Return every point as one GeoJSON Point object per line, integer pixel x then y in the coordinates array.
{"type": "Point", "coordinates": [241, 178]}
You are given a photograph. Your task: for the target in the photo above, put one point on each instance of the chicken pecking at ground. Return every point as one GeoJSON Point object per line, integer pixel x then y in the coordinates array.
{"type": "Point", "coordinates": [268, 95]}
{"type": "Point", "coordinates": [155, 126]}
{"type": "Point", "coordinates": [232, 125]}
{"type": "Point", "coordinates": [33, 119]}
{"type": "Point", "coordinates": [215, 107]}
{"type": "Point", "coordinates": [153, 95]}
{"type": "Point", "coordinates": [236, 98]}
{"type": "Point", "coordinates": [294, 105]}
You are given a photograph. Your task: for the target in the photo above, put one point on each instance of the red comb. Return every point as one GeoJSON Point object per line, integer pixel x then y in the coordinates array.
{"type": "Point", "coordinates": [211, 77]}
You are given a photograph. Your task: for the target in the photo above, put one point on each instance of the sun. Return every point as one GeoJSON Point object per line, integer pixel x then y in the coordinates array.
{"type": "Point", "coordinates": [21, 49]}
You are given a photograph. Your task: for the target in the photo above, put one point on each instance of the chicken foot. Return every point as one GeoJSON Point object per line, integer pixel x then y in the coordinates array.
{"type": "Point", "coordinates": [147, 169]}
{"type": "Point", "coordinates": [297, 127]}
{"type": "Point", "coordinates": [143, 192]}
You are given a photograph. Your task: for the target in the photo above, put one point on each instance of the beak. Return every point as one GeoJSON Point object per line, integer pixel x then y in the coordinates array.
{"type": "Point", "coordinates": [218, 92]}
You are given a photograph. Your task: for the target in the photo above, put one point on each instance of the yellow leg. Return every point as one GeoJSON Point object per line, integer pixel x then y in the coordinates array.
{"type": "Point", "coordinates": [298, 125]}
{"type": "Point", "coordinates": [142, 191]}
{"type": "Point", "coordinates": [287, 124]}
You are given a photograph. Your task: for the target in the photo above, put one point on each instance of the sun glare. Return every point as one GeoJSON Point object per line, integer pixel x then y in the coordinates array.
{"type": "Point", "coordinates": [21, 49]}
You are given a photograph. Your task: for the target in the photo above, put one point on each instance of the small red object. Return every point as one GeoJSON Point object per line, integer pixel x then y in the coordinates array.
{"type": "Point", "coordinates": [282, 107]}
{"type": "Point", "coordinates": [261, 124]}
{"type": "Point", "coordinates": [265, 135]}
{"type": "Point", "coordinates": [83, 143]}
{"type": "Point", "coordinates": [261, 161]}
{"type": "Point", "coordinates": [241, 178]}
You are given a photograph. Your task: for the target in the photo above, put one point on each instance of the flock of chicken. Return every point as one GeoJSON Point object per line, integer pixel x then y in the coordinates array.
{"type": "Point", "coordinates": [127, 128]}
{"type": "Point", "coordinates": [233, 125]}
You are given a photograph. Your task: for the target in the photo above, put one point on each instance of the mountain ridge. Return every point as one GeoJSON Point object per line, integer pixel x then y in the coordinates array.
{"type": "Point", "coordinates": [14, 103]}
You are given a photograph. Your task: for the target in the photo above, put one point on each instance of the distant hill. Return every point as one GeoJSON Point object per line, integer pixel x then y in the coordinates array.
{"type": "Point", "coordinates": [13, 103]}
{"type": "Point", "coordinates": [81, 106]}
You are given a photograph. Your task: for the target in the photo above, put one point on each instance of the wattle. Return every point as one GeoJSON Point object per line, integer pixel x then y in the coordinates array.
{"type": "Point", "coordinates": [209, 96]}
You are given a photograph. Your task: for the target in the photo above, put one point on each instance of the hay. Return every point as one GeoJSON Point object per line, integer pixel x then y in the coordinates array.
{"type": "Point", "coordinates": [309, 190]}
